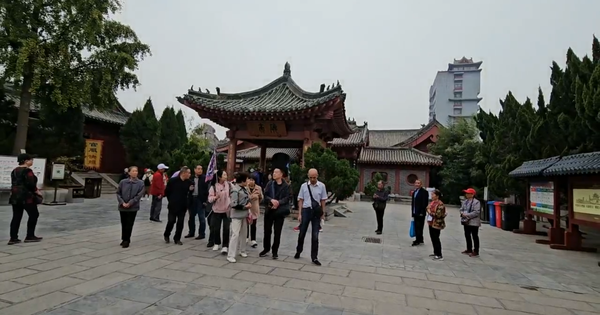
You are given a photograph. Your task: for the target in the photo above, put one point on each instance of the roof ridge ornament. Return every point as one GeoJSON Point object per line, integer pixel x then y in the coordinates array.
{"type": "Point", "coordinates": [287, 71]}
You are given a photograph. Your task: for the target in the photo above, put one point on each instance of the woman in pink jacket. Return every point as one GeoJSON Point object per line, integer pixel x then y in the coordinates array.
{"type": "Point", "coordinates": [218, 196]}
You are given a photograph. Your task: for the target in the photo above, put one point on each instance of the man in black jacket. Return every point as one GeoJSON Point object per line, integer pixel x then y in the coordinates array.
{"type": "Point", "coordinates": [178, 193]}
{"type": "Point", "coordinates": [418, 206]}
{"type": "Point", "coordinates": [197, 204]}
{"type": "Point", "coordinates": [277, 207]}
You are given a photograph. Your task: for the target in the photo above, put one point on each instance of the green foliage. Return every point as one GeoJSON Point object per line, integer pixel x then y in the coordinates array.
{"type": "Point", "coordinates": [462, 165]}
{"type": "Point", "coordinates": [190, 154]}
{"type": "Point", "coordinates": [73, 47]}
{"type": "Point", "coordinates": [139, 136]}
{"type": "Point", "coordinates": [569, 123]}
{"type": "Point", "coordinates": [337, 175]}
{"type": "Point", "coordinates": [8, 115]}
{"type": "Point", "coordinates": [181, 128]}
{"type": "Point", "coordinates": [169, 139]}
{"type": "Point", "coordinates": [371, 186]}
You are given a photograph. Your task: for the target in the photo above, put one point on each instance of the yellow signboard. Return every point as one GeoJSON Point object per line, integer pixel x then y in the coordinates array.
{"type": "Point", "coordinates": [267, 128]}
{"type": "Point", "coordinates": [586, 204]}
{"type": "Point", "coordinates": [93, 153]}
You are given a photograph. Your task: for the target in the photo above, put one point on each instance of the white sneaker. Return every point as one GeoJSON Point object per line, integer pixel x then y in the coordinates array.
{"type": "Point", "coordinates": [231, 259]}
{"type": "Point", "coordinates": [244, 255]}
{"type": "Point", "coordinates": [438, 258]}
{"type": "Point", "coordinates": [216, 247]}
{"type": "Point", "coordinates": [224, 250]}
{"type": "Point", "coordinates": [254, 244]}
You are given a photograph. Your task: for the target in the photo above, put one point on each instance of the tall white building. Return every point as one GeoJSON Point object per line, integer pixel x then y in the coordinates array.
{"type": "Point", "coordinates": [455, 92]}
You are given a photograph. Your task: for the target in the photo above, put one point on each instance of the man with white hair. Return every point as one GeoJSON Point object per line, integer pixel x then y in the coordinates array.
{"type": "Point", "coordinates": [311, 198]}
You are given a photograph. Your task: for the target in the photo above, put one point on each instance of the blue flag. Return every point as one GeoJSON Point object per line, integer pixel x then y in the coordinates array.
{"type": "Point", "coordinates": [212, 165]}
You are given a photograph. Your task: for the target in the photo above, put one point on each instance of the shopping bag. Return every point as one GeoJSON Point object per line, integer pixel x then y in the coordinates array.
{"type": "Point", "coordinates": [411, 233]}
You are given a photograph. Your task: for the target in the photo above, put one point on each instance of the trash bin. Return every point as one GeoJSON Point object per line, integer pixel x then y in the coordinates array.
{"type": "Point", "coordinates": [491, 212]}
{"type": "Point", "coordinates": [484, 214]}
{"type": "Point", "coordinates": [92, 188]}
{"type": "Point", "coordinates": [511, 217]}
{"type": "Point", "coordinates": [498, 212]}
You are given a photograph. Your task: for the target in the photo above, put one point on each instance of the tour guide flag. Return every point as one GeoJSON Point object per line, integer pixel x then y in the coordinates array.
{"type": "Point", "coordinates": [212, 165]}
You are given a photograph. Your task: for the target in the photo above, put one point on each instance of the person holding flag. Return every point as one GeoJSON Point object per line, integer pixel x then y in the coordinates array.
{"type": "Point", "coordinates": [210, 173]}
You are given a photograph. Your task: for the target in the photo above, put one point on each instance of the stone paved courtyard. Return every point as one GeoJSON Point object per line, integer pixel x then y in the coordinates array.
{"type": "Point", "coordinates": [80, 268]}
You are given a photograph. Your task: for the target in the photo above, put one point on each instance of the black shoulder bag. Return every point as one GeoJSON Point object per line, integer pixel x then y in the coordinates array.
{"type": "Point", "coordinates": [317, 210]}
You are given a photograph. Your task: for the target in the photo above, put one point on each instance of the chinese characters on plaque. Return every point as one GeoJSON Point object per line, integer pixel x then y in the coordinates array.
{"type": "Point", "coordinates": [586, 204]}
{"type": "Point", "coordinates": [93, 153]}
{"type": "Point", "coordinates": [267, 128]}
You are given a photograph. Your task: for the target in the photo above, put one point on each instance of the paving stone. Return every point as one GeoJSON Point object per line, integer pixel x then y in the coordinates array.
{"type": "Point", "coordinates": [323, 310]}
{"type": "Point", "coordinates": [325, 270]}
{"type": "Point", "coordinates": [18, 273]}
{"type": "Point", "coordinates": [34, 291]}
{"type": "Point", "coordinates": [274, 304]}
{"type": "Point", "coordinates": [7, 286]}
{"type": "Point", "coordinates": [138, 293]}
{"type": "Point", "coordinates": [100, 271]}
{"type": "Point", "coordinates": [68, 261]}
{"type": "Point", "coordinates": [533, 308]}
{"type": "Point", "coordinates": [159, 310]}
{"type": "Point", "coordinates": [257, 277]}
{"type": "Point", "coordinates": [214, 271]}
{"type": "Point", "coordinates": [98, 284]}
{"type": "Point", "coordinates": [208, 306]}
{"type": "Point", "coordinates": [146, 267]}
{"type": "Point", "coordinates": [50, 274]}
{"type": "Point", "coordinates": [249, 267]}
{"type": "Point", "coordinates": [278, 292]}
{"type": "Point", "coordinates": [346, 281]}
{"type": "Point", "coordinates": [205, 261]}
{"type": "Point", "coordinates": [404, 289]}
{"type": "Point", "coordinates": [99, 261]}
{"type": "Point", "coordinates": [38, 304]}
{"type": "Point", "coordinates": [4, 267]}
{"type": "Point", "coordinates": [296, 274]}
{"type": "Point", "coordinates": [315, 286]}
{"type": "Point", "coordinates": [244, 309]}
{"type": "Point", "coordinates": [342, 302]}
{"type": "Point", "coordinates": [224, 283]}
{"type": "Point", "coordinates": [63, 311]}
{"type": "Point", "coordinates": [444, 306]}
{"type": "Point", "coordinates": [180, 301]}
{"type": "Point", "coordinates": [169, 274]}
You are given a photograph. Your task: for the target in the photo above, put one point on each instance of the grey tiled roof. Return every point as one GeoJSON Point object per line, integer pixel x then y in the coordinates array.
{"type": "Point", "coordinates": [420, 132]}
{"type": "Point", "coordinates": [389, 138]}
{"type": "Point", "coordinates": [358, 138]}
{"type": "Point", "coordinates": [281, 95]}
{"type": "Point", "coordinates": [117, 116]}
{"type": "Point", "coordinates": [577, 164]}
{"type": "Point", "coordinates": [533, 168]}
{"type": "Point", "coordinates": [397, 156]}
{"type": "Point", "coordinates": [254, 153]}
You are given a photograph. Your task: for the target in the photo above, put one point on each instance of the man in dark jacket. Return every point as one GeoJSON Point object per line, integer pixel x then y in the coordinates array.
{"type": "Point", "coordinates": [380, 199]}
{"type": "Point", "coordinates": [197, 204]}
{"type": "Point", "coordinates": [420, 200]}
{"type": "Point", "coordinates": [277, 207]}
{"type": "Point", "coordinates": [178, 193]}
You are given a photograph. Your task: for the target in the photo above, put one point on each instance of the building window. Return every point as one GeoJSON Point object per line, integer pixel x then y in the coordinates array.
{"type": "Point", "coordinates": [458, 111]}
{"type": "Point", "coordinates": [457, 94]}
{"type": "Point", "coordinates": [457, 104]}
{"type": "Point", "coordinates": [458, 86]}
{"type": "Point", "coordinates": [384, 176]}
{"type": "Point", "coordinates": [458, 76]}
{"type": "Point", "coordinates": [412, 178]}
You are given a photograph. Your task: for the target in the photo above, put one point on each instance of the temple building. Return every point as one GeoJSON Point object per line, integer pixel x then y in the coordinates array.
{"type": "Point", "coordinates": [280, 121]}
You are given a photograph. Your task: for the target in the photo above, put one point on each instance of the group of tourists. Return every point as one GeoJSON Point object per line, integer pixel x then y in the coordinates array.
{"type": "Point", "coordinates": [230, 209]}
{"type": "Point", "coordinates": [433, 211]}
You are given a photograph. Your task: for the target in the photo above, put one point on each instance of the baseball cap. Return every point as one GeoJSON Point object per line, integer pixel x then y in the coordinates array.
{"type": "Point", "coordinates": [161, 166]}
{"type": "Point", "coordinates": [469, 191]}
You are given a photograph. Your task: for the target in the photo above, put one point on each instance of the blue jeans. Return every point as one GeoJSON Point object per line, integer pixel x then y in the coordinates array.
{"type": "Point", "coordinates": [197, 209]}
{"type": "Point", "coordinates": [315, 222]}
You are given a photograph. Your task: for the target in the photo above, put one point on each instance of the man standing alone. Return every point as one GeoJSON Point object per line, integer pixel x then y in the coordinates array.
{"type": "Point", "coordinates": [157, 190]}
{"type": "Point", "coordinates": [199, 198]}
{"type": "Point", "coordinates": [277, 207]}
{"type": "Point", "coordinates": [420, 199]}
{"type": "Point", "coordinates": [311, 198]}
{"type": "Point", "coordinates": [178, 192]}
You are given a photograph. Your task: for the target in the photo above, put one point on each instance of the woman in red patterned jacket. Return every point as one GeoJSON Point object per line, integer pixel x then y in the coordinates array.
{"type": "Point", "coordinates": [24, 197]}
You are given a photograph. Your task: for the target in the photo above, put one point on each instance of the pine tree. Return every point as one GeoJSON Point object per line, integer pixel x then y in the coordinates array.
{"type": "Point", "coordinates": [139, 136]}
{"type": "Point", "coordinates": [169, 138]}
{"type": "Point", "coordinates": [181, 128]}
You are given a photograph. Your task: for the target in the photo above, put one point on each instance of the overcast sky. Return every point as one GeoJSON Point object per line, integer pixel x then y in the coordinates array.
{"type": "Point", "coordinates": [385, 53]}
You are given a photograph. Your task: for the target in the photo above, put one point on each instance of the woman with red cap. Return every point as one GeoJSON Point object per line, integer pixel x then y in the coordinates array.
{"type": "Point", "coordinates": [469, 218]}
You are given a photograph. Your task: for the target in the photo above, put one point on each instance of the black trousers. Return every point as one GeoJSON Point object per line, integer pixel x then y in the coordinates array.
{"type": "Point", "coordinates": [127, 220]}
{"type": "Point", "coordinates": [175, 218]}
{"type": "Point", "coordinates": [419, 227]}
{"type": "Point", "coordinates": [251, 232]}
{"type": "Point", "coordinates": [215, 229]}
{"type": "Point", "coordinates": [472, 237]}
{"type": "Point", "coordinates": [197, 209]}
{"type": "Point", "coordinates": [435, 241]}
{"type": "Point", "coordinates": [273, 223]}
{"type": "Point", "coordinates": [15, 223]}
{"type": "Point", "coordinates": [379, 212]}
{"type": "Point", "coordinates": [315, 226]}
{"type": "Point", "coordinates": [155, 208]}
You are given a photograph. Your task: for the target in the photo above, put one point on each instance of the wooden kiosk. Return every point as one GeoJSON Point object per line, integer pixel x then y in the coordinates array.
{"type": "Point", "coordinates": [580, 175]}
{"type": "Point", "coordinates": [278, 115]}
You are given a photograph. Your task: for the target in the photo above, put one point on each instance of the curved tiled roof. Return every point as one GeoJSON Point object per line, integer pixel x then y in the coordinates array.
{"type": "Point", "coordinates": [419, 133]}
{"type": "Point", "coordinates": [281, 95]}
{"type": "Point", "coordinates": [117, 116]}
{"type": "Point", "coordinates": [398, 156]}
{"type": "Point", "coordinates": [577, 164]}
{"type": "Point", "coordinates": [254, 153]}
{"type": "Point", "coordinates": [533, 168]}
{"type": "Point", "coordinates": [358, 138]}
{"type": "Point", "coordinates": [389, 138]}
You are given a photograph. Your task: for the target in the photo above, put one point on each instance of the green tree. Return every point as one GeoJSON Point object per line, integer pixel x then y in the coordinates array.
{"type": "Point", "coordinates": [371, 186]}
{"type": "Point", "coordinates": [169, 139]}
{"type": "Point", "coordinates": [139, 136]}
{"type": "Point", "coordinates": [337, 175]}
{"type": "Point", "coordinates": [181, 127]}
{"type": "Point", "coordinates": [73, 47]}
{"type": "Point", "coordinates": [190, 154]}
{"type": "Point", "coordinates": [460, 149]}
{"type": "Point", "coordinates": [8, 115]}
